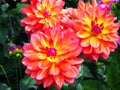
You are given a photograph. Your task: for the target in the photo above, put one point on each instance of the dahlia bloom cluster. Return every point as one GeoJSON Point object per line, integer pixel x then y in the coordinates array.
{"type": "Point", "coordinates": [106, 4]}
{"type": "Point", "coordinates": [58, 36]}
{"type": "Point", "coordinates": [15, 50]}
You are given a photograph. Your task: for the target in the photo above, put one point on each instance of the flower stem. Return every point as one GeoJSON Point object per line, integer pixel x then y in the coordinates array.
{"type": "Point", "coordinates": [20, 68]}
{"type": "Point", "coordinates": [5, 73]}
{"type": "Point", "coordinates": [16, 71]}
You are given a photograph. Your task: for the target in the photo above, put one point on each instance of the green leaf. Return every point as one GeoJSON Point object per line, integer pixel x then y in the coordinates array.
{"type": "Point", "coordinates": [85, 72]}
{"type": "Point", "coordinates": [112, 76]}
{"type": "Point", "coordinates": [90, 84]}
{"type": "Point", "coordinates": [79, 87]}
{"type": "Point", "coordinates": [27, 83]}
{"type": "Point", "coordinates": [113, 71]}
{"type": "Point", "coordinates": [101, 68]}
{"type": "Point", "coordinates": [19, 6]}
{"type": "Point", "coordinates": [3, 86]}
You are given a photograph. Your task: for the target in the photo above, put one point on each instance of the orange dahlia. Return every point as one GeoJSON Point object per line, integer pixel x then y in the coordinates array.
{"type": "Point", "coordinates": [96, 30]}
{"type": "Point", "coordinates": [51, 57]}
{"type": "Point", "coordinates": [42, 14]}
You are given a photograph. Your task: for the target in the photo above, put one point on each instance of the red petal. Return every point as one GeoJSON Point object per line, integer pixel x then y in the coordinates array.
{"type": "Point", "coordinates": [69, 80]}
{"type": "Point", "coordinates": [33, 74]}
{"type": "Point", "coordinates": [47, 82]}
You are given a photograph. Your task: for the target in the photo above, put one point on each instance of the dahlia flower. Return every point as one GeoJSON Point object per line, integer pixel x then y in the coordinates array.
{"type": "Point", "coordinates": [96, 30]}
{"type": "Point", "coordinates": [51, 57]}
{"type": "Point", "coordinates": [24, 0]}
{"type": "Point", "coordinates": [41, 14]}
{"type": "Point", "coordinates": [106, 4]}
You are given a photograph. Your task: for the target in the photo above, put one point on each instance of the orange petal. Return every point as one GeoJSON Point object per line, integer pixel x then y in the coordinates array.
{"type": "Point", "coordinates": [41, 55]}
{"type": "Point", "coordinates": [105, 31]}
{"type": "Point", "coordinates": [54, 70]}
{"type": "Point", "coordinates": [59, 80]}
{"type": "Point", "coordinates": [74, 61]}
{"type": "Point", "coordinates": [41, 74]}
{"type": "Point", "coordinates": [65, 66]}
{"type": "Point", "coordinates": [44, 39]}
{"type": "Point", "coordinates": [85, 42]}
{"type": "Point", "coordinates": [33, 65]}
{"type": "Point", "coordinates": [30, 54]}
{"type": "Point", "coordinates": [44, 64]}
{"type": "Point", "coordinates": [83, 34]}
{"type": "Point", "coordinates": [36, 42]}
{"type": "Point", "coordinates": [94, 42]}
{"type": "Point", "coordinates": [81, 5]}
{"type": "Point", "coordinates": [98, 50]}
{"type": "Point", "coordinates": [105, 49]}
{"type": "Point", "coordinates": [71, 73]}
{"type": "Point", "coordinates": [94, 3]}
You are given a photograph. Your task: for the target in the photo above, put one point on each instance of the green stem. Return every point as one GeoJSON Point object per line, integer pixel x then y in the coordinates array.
{"type": "Point", "coordinates": [5, 73]}
{"type": "Point", "coordinates": [20, 68]}
{"type": "Point", "coordinates": [16, 74]}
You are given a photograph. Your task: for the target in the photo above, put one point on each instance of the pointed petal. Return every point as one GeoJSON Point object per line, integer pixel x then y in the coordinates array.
{"type": "Point", "coordinates": [36, 42]}
{"type": "Point", "coordinates": [27, 71]}
{"type": "Point", "coordinates": [33, 65]}
{"type": "Point", "coordinates": [41, 74]}
{"type": "Point", "coordinates": [44, 64]}
{"type": "Point", "coordinates": [59, 80]}
{"type": "Point", "coordinates": [87, 50]}
{"type": "Point", "coordinates": [71, 73]}
{"type": "Point", "coordinates": [94, 42]}
{"type": "Point", "coordinates": [69, 80]}
{"type": "Point", "coordinates": [94, 3]}
{"type": "Point", "coordinates": [42, 55]}
{"type": "Point", "coordinates": [39, 82]}
{"type": "Point", "coordinates": [74, 61]}
{"type": "Point", "coordinates": [47, 82]}
{"type": "Point", "coordinates": [83, 34]}
{"type": "Point", "coordinates": [65, 66]}
{"type": "Point", "coordinates": [30, 54]}
{"type": "Point", "coordinates": [54, 70]}
{"type": "Point", "coordinates": [33, 74]}
{"type": "Point", "coordinates": [105, 49]}
{"type": "Point", "coordinates": [85, 42]}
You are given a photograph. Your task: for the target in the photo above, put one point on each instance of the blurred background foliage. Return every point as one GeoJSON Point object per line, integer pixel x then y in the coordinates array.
{"type": "Point", "coordinates": [99, 75]}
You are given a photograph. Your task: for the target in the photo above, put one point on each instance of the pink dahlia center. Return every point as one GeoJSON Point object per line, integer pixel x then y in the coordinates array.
{"type": "Point", "coordinates": [51, 52]}
{"type": "Point", "coordinates": [46, 13]}
{"type": "Point", "coordinates": [96, 29]}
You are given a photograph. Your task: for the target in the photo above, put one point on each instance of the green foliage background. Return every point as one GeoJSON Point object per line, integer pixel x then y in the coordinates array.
{"type": "Point", "coordinates": [99, 75]}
